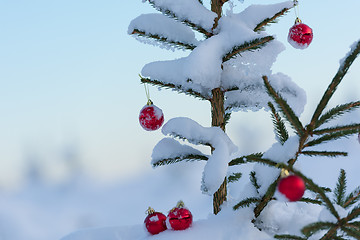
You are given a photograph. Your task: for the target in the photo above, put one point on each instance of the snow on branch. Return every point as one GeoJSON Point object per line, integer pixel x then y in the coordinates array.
{"type": "Point", "coordinates": [216, 166]}
{"type": "Point", "coordinates": [190, 12]}
{"type": "Point", "coordinates": [256, 16]}
{"type": "Point", "coordinates": [251, 94]}
{"type": "Point", "coordinates": [247, 46]}
{"type": "Point", "coordinates": [178, 88]}
{"type": "Point", "coordinates": [164, 30]}
{"type": "Point", "coordinates": [169, 151]}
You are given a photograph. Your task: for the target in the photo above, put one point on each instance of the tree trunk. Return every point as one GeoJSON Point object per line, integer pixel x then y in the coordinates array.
{"type": "Point", "coordinates": [218, 113]}
{"type": "Point", "coordinates": [218, 120]}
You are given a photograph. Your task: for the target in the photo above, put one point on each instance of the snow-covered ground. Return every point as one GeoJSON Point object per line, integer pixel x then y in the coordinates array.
{"type": "Point", "coordinates": [41, 211]}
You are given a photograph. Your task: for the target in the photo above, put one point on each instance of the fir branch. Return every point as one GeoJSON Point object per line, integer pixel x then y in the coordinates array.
{"type": "Point", "coordinates": [344, 67]}
{"type": "Point", "coordinates": [315, 227]}
{"type": "Point", "coordinates": [227, 117]}
{"type": "Point", "coordinates": [340, 189]}
{"type": "Point", "coordinates": [242, 160]}
{"type": "Point", "coordinates": [193, 141]}
{"type": "Point", "coordinates": [289, 237]}
{"type": "Point", "coordinates": [173, 15]}
{"type": "Point", "coordinates": [330, 137]}
{"type": "Point", "coordinates": [355, 233]}
{"type": "Point", "coordinates": [355, 225]}
{"type": "Point", "coordinates": [234, 177]}
{"type": "Point", "coordinates": [261, 26]}
{"type": "Point", "coordinates": [177, 44]}
{"type": "Point", "coordinates": [187, 158]}
{"type": "Point", "coordinates": [324, 153]}
{"type": "Point", "coordinates": [310, 200]}
{"type": "Point", "coordinates": [355, 127]}
{"type": "Point", "coordinates": [254, 181]}
{"type": "Point", "coordinates": [285, 108]}
{"type": "Point", "coordinates": [246, 202]}
{"type": "Point", "coordinates": [336, 112]}
{"type": "Point", "coordinates": [266, 198]}
{"type": "Point", "coordinates": [352, 198]}
{"type": "Point", "coordinates": [177, 88]}
{"type": "Point", "coordinates": [279, 125]}
{"type": "Point", "coordinates": [247, 46]}
{"type": "Point", "coordinates": [355, 212]}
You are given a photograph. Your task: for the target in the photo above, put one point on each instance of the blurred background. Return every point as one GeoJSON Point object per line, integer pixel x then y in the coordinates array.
{"type": "Point", "coordinates": [72, 152]}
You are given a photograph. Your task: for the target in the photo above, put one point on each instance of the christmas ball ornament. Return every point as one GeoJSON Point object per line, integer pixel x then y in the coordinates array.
{"type": "Point", "coordinates": [300, 35]}
{"type": "Point", "coordinates": [179, 218]}
{"type": "Point", "coordinates": [151, 117]}
{"type": "Point", "coordinates": [292, 186]}
{"type": "Point", "coordinates": [155, 222]}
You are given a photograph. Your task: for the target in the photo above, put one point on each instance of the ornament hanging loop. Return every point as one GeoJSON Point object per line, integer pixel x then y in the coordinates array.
{"type": "Point", "coordinates": [147, 92]}
{"type": "Point", "coordinates": [149, 211]}
{"type": "Point", "coordinates": [296, 8]}
{"type": "Point", "coordinates": [284, 173]}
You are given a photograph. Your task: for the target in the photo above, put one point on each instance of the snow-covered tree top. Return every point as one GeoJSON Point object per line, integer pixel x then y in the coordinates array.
{"type": "Point", "coordinates": [211, 63]}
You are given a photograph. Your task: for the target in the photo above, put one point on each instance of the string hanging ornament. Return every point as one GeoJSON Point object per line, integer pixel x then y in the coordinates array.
{"type": "Point", "coordinates": [300, 35]}
{"type": "Point", "coordinates": [151, 117]}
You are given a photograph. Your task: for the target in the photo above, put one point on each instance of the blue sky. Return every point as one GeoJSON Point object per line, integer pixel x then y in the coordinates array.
{"type": "Point", "coordinates": [69, 78]}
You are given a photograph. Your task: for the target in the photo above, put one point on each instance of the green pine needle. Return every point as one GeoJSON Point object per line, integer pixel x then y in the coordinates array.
{"type": "Point", "coordinates": [174, 87]}
{"type": "Point", "coordinates": [352, 198]}
{"type": "Point", "coordinates": [355, 233]}
{"type": "Point", "coordinates": [315, 227]}
{"type": "Point", "coordinates": [285, 108]}
{"type": "Point", "coordinates": [234, 177]}
{"type": "Point", "coordinates": [243, 159]}
{"type": "Point", "coordinates": [340, 189]}
{"type": "Point", "coordinates": [331, 137]}
{"type": "Point", "coordinates": [310, 200]}
{"type": "Point", "coordinates": [279, 125]}
{"type": "Point", "coordinates": [344, 67]}
{"type": "Point", "coordinates": [247, 46]}
{"type": "Point", "coordinates": [187, 158]}
{"type": "Point", "coordinates": [176, 44]}
{"type": "Point", "coordinates": [336, 112]}
{"type": "Point", "coordinates": [354, 213]}
{"type": "Point", "coordinates": [261, 26]}
{"type": "Point", "coordinates": [171, 14]}
{"type": "Point", "coordinates": [254, 181]}
{"type": "Point", "coordinates": [324, 153]}
{"type": "Point", "coordinates": [289, 237]}
{"type": "Point", "coordinates": [246, 203]}
{"type": "Point", "coordinates": [355, 127]}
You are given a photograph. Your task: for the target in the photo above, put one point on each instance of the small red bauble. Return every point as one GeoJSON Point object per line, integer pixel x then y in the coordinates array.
{"type": "Point", "coordinates": [151, 117]}
{"type": "Point", "coordinates": [292, 186]}
{"type": "Point", "coordinates": [300, 35]}
{"type": "Point", "coordinates": [179, 218]}
{"type": "Point", "coordinates": [155, 222]}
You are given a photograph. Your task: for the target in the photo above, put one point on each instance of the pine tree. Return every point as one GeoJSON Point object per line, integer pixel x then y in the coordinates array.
{"type": "Point", "coordinates": [225, 73]}
{"type": "Point", "coordinates": [230, 68]}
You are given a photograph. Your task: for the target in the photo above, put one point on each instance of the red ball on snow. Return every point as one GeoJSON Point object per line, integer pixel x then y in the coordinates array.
{"type": "Point", "coordinates": [300, 35]}
{"type": "Point", "coordinates": [292, 186]}
{"type": "Point", "coordinates": [179, 218]}
{"type": "Point", "coordinates": [151, 117]}
{"type": "Point", "coordinates": [155, 222]}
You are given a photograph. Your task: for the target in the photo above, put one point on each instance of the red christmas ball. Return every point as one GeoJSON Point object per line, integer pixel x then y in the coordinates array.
{"type": "Point", "coordinates": [293, 187]}
{"type": "Point", "coordinates": [179, 218]}
{"type": "Point", "coordinates": [151, 117]}
{"type": "Point", "coordinates": [155, 222]}
{"type": "Point", "coordinates": [300, 35]}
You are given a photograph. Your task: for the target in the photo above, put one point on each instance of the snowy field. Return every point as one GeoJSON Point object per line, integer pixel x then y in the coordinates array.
{"type": "Point", "coordinates": [41, 211]}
